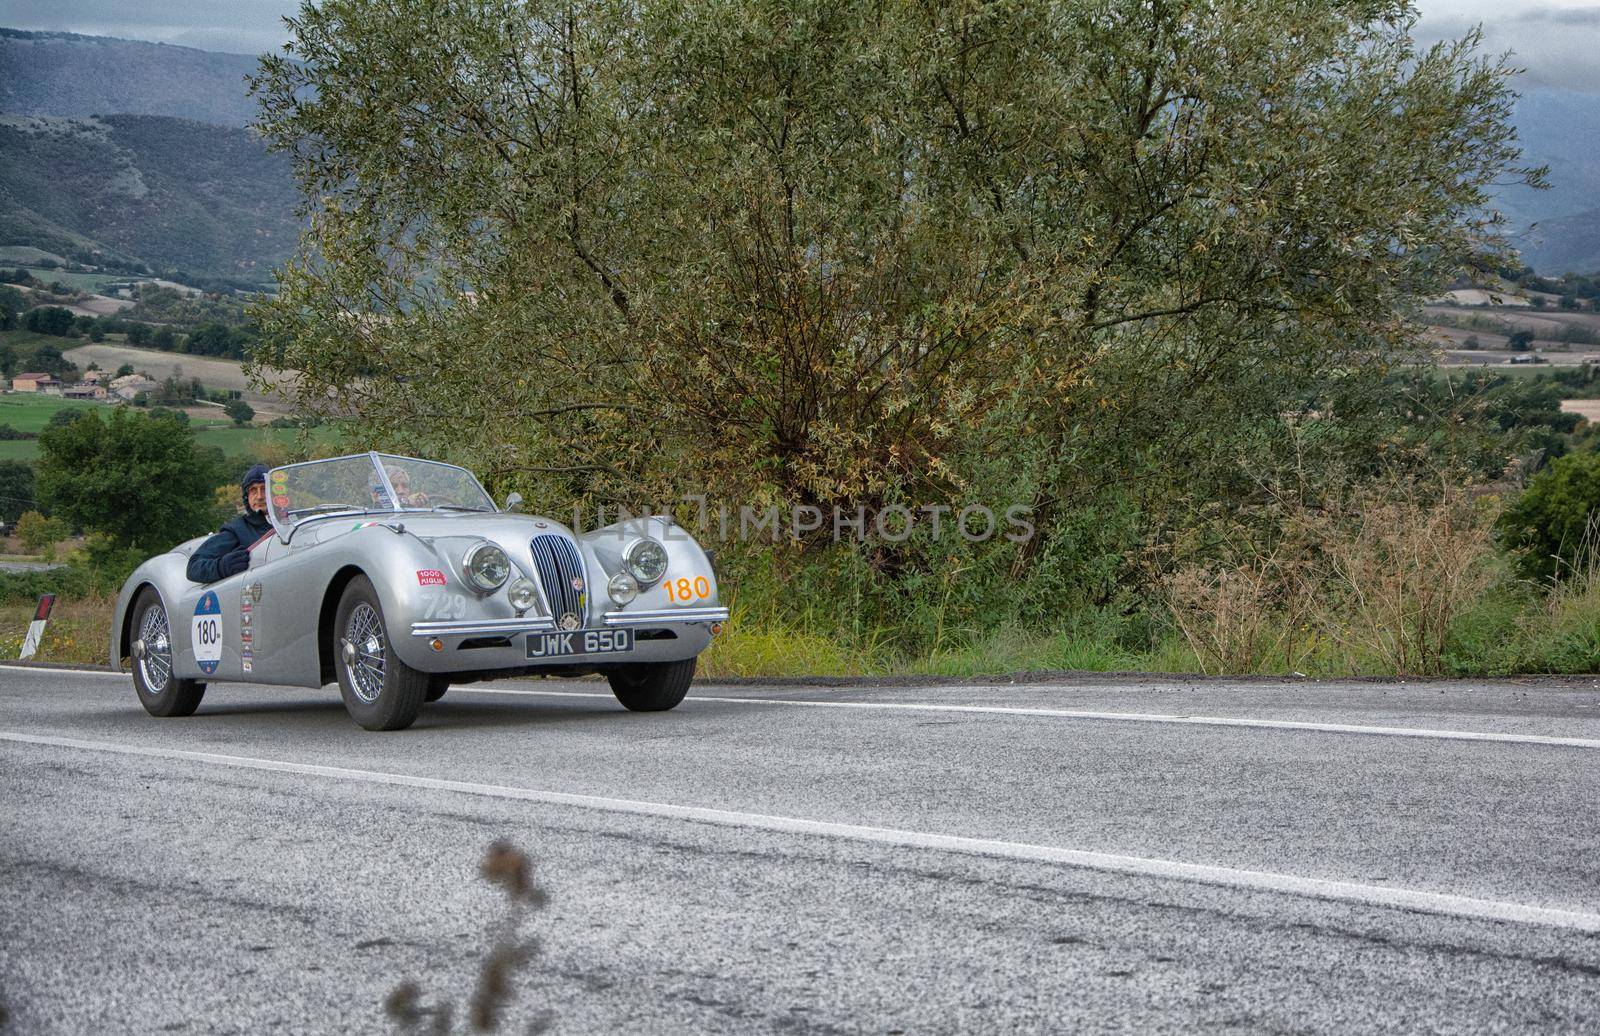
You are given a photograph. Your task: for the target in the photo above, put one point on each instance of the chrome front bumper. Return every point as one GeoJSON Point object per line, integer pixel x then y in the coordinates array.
{"type": "Point", "coordinates": [666, 616]}
{"type": "Point", "coordinates": [484, 627]}
{"type": "Point", "coordinates": [545, 624]}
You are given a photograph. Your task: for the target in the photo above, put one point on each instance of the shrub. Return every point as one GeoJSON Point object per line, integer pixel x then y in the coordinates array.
{"type": "Point", "coordinates": [1237, 617]}
{"type": "Point", "coordinates": [48, 320]}
{"type": "Point", "coordinates": [1402, 568]}
{"type": "Point", "coordinates": [39, 534]}
{"type": "Point", "coordinates": [1553, 523]}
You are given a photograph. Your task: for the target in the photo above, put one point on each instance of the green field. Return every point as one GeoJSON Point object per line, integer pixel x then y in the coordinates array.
{"type": "Point", "coordinates": [82, 281]}
{"type": "Point", "coordinates": [26, 255]}
{"type": "Point", "coordinates": [25, 342]}
{"type": "Point", "coordinates": [31, 413]}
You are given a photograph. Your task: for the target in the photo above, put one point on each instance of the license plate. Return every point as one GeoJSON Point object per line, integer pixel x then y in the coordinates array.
{"type": "Point", "coordinates": [579, 642]}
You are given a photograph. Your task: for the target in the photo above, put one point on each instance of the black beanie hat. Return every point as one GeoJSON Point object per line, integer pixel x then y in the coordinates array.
{"type": "Point", "coordinates": [257, 473]}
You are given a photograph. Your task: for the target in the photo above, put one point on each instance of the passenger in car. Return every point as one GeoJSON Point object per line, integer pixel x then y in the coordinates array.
{"type": "Point", "coordinates": [228, 552]}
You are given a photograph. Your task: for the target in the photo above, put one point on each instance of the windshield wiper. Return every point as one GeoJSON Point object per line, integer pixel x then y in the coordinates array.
{"type": "Point", "coordinates": [458, 507]}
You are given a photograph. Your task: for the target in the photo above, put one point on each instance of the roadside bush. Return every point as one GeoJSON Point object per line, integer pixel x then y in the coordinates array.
{"type": "Point", "coordinates": [27, 587]}
{"type": "Point", "coordinates": [1372, 582]}
{"type": "Point", "coordinates": [1403, 568]}
{"type": "Point", "coordinates": [39, 534]}
{"type": "Point", "coordinates": [1553, 524]}
{"type": "Point", "coordinates": [1241, 618]}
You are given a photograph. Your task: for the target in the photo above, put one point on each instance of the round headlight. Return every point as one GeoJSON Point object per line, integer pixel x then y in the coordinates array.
{"type": "Point", "coordinates": [623, 588]}
{"type": "Point", "coordinates": [521, 594]}
{"type": "Point", "coordinates": [646, 560]}
{"type": "Point", "coordinates": [486, 566]}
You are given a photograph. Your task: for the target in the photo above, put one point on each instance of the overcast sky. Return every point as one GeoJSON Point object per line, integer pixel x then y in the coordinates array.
{"type": "Point", "coordinates": [1557, 40]}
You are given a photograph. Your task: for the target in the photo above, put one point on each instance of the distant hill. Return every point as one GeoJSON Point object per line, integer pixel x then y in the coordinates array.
{"type": "Point", "coordinates": [172, 193]}
{"type": "Point", "coordinates": [1561, 129]}
{"type": "Point", "coordinates": [60, 73]}
{"type": "Point", "coordinates": [218, 205]}
{"type": "Point", "coordinates": [1569, 244]}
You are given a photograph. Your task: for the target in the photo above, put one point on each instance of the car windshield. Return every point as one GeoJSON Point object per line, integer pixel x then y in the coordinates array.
{"type": "Point", "coordinates": [371, 482]}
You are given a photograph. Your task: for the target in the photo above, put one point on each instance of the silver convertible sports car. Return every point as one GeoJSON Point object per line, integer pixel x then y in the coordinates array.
{"type": "Point", "coordinates": [398, 577]}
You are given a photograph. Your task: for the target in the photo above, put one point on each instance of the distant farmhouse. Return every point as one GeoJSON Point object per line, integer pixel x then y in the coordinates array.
{"type": "Point", "coordinates": [128, 386]}
{"type": "Point", "coordinates": [49, 385]}
{"type": "Point", "coordinates": [36, 382]}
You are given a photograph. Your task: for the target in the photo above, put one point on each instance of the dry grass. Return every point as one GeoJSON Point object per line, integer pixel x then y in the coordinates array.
{"type": "Point", "coordinates": [1244, 617]}
{"type": "Point", "coordinates": [1371, 583]}
{"type": "Point", "coordinates": [1403, 567]}
{"type": "Point", "coordinates": [78, 631]}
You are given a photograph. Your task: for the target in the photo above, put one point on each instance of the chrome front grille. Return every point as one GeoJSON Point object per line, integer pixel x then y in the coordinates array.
{"type": "Point", "coordinates": [561, 574]}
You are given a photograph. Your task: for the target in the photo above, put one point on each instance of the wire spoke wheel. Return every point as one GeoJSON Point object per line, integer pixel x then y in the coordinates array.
{"type": "Point", "coordinates": [156, 664]}
{"type": "Point", "coordinates": [380, 690]}
{"type": "Point", "coordinates": [161, 690]}
{"type": "Point", "coordinates": [364, 652]}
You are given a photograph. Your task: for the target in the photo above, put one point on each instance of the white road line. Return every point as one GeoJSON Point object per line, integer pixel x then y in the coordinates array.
{"type": "Point", "coordinates": [1006, 710]}
{"type": "Point", "coordinates": [1230, 877]}
{"type": "Point", "coordinates": [1125, 717]}
{"type": "Point", "coordinates": [39, 670]}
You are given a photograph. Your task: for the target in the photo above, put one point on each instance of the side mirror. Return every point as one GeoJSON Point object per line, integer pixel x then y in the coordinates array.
{"type": "Point", "coordinates": [514, 502]}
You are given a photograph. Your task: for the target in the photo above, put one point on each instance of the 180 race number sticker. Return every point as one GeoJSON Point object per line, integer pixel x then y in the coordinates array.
{"type": "Point", "coordinates": [206, 633]}
{"type": "Point", "coordinates": [686, 589]}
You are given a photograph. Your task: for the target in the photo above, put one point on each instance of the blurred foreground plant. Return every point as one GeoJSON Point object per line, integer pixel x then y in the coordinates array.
{"type": "Point", "coordinates": [511, 869]}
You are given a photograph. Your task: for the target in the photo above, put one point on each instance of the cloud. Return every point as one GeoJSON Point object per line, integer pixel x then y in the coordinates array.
{"type": "Point", "coordinates": [1556, 41]}
{"type": "Point", "coordinates": [1555, 44]}
{"type": "Point", "coordinates": [238, 26]}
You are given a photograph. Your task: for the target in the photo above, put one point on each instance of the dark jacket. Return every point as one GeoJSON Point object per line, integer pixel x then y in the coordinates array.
{"type": "Point", "coordinates": [228, 552]}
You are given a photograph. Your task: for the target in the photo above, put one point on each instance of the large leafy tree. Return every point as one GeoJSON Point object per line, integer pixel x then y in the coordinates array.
{"type": "Point", "coordinates": [1554, 526]}
{"type": "Point", "coordinates": [833, 250]}
{"type": "Point", "coordinates": [139, 479]}
{"type": "Point", "coordinates": [16, 490]}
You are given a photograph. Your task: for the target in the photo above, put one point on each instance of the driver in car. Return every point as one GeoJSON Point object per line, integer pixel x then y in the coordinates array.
{"type": "Point", "coordinates": [401, 480]}
{"type": "Point", "coordinates": [228, 552]}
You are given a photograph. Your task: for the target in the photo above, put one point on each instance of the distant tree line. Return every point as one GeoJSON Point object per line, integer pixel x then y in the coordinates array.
{"type": "Point", "coordinates": [209, 339]}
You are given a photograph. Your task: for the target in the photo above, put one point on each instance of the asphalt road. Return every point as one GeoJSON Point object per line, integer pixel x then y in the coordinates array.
{"type": "Point", "coordinates": [1110, 855]}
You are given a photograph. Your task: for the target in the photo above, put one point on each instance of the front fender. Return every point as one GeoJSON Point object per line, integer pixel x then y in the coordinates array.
{"type": "Point", "coordinates": [166, 574]}
{"type": "Point", "coordinates": [685, 561]}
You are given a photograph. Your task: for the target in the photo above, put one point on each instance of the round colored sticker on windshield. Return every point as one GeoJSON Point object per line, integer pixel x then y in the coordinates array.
{"type": "Point", "coordinates": [205, 635]}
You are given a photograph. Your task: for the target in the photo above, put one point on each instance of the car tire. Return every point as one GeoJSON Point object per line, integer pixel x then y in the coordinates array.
{"type": "Point", "coordinates": [380, 691]}
{"type": "Point", "coordinates": [651, 686]}
{"type": "Point", "coordinates": [160, 692]}
{"type": "Point", "coordinates": [437, 685]}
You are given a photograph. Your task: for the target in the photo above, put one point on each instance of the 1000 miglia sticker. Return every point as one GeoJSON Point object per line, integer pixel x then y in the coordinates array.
{"type": "Point", "coordinates": [206, 633]}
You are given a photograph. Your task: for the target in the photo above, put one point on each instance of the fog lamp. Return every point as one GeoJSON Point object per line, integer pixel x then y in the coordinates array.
{"type": "Point", "coordinates": [623, 588]}
{"type": "Point", "coordinates": [521, 594]}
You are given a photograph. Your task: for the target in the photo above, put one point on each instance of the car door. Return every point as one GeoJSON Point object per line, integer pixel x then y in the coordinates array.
{"type": "Point", "coordinates": [214, 627]}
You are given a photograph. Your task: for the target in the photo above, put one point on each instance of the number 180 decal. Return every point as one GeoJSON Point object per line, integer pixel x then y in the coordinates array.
{"type": "Point", "coordinates": [205, 633]}
{"type": "Point", "coordinates": [686, 589]}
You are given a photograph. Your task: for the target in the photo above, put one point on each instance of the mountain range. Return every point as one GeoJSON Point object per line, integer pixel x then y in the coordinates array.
{"type": "Point", "coordinates": [139, 151]}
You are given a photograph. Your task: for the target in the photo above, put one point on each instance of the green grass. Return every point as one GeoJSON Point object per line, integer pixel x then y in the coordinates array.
{"type": "Point", "coordinates": [25, 342]}
{"type": "Point", "coordinates": [26, 255]}
{"type": "Point", "coordinates": [245, 443]}
{"type": "Point", "coordinates": [239, 444]}
{"type": "Point", "coordinates": [81, 281]}
{"type": "Point", "coordinates": [27, 412]}
{"type": "Point", "coordinates": [31, 413]}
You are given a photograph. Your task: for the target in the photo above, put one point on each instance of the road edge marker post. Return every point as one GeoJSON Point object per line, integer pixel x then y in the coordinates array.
{"type": "Point", "coordinates": [41, 615]}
